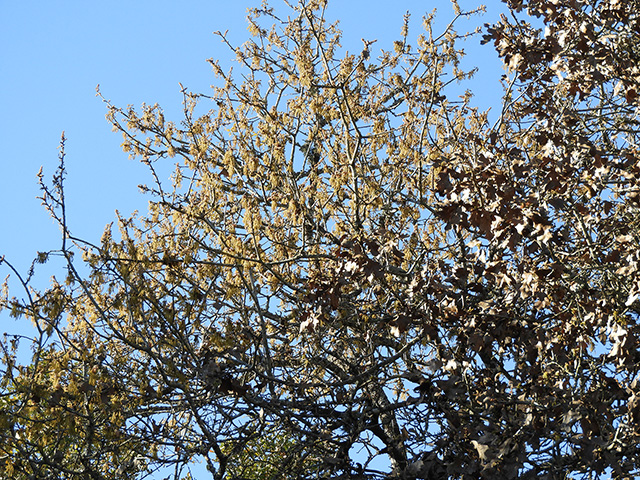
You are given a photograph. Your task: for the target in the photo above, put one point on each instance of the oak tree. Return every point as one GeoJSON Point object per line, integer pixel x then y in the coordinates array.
{"type": "Point", "coordinates": [352, 272]}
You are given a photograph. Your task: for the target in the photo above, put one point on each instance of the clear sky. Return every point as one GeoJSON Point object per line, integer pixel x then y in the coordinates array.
{"type": "Point", "coordinates": [54, 53]}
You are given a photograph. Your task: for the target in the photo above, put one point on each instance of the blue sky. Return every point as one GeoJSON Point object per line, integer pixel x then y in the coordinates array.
{"type": "Point", "coordinates": [54, 54]}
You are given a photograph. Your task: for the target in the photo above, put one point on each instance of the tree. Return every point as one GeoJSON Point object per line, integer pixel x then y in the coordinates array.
{"type": "Point", "coordinates": [353, 274]}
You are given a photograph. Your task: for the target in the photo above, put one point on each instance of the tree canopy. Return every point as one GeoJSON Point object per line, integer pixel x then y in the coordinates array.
{"type": "Point", "coordinates": [352, 272]}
